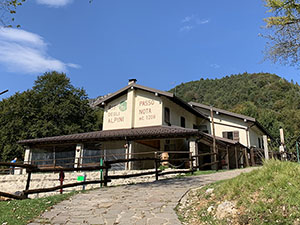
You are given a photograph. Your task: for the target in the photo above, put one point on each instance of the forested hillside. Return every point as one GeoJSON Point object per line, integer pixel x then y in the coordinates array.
{"type": "Point", "coordinates": [272, 100]}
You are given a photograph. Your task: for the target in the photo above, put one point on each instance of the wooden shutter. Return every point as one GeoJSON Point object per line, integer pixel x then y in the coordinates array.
{"type": "Point", "coordinates": [225, 134]}
{"type": "Point", "coordinates": [236, 136]}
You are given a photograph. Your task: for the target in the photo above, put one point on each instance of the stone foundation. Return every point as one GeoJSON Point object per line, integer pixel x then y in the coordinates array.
{"type": "Point", "coordinates": [14, 183]}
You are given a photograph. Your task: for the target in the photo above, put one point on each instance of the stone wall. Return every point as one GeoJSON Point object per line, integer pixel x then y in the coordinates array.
{"type": "Point", "coordinates": [14, 183]}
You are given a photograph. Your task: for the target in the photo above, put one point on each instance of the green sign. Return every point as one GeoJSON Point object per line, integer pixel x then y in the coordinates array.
{"type": "Point", "coordinates": [80, 178]}
{"type": "Point", "coordinates": [123, 106]}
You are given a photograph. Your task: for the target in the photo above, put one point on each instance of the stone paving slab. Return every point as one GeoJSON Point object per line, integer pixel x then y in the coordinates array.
{"type": "Point", "coordinates": [149, 203]}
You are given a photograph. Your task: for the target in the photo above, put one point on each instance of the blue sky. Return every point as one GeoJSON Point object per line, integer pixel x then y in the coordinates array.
{"type": "Point", "coordinates": [160, 43]}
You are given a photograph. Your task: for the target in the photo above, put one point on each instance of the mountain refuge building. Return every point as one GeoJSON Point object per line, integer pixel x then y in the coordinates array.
{"type": "Point", "coordinates": [140, 121]}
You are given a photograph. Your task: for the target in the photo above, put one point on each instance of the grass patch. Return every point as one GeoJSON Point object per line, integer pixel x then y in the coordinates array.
{"type": "Point", "coordinates": [19, 212]}
{"type": "Point", "coordinates": [269, 195]}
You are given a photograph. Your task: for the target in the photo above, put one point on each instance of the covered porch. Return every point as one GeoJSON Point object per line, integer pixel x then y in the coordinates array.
{"type": "Point", "coordinates": [92, 148]}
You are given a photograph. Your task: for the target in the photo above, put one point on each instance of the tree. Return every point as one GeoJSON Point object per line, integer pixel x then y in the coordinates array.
{"type": "Point", "coordinates": [284, 27]}
{"type": "Point", "coordinates": [52, 107]}
{"type": "Point", "coordinates": [272, 100]}
{"type": "Point", "coordinates": [9, 7]}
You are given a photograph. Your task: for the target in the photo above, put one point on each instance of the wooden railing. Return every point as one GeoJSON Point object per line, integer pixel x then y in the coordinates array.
{"type": "Point", "coordinates": [30, 169]}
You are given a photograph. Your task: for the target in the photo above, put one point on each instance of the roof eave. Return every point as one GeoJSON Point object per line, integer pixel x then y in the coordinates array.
{"type": "Point", "coordinates": [225, 112]}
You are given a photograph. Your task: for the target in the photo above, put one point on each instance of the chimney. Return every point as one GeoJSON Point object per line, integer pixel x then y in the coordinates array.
{"type": "Point", "coordinates": [131, 81]}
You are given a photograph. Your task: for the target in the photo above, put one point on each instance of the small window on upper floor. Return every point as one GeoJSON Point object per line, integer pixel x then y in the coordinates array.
{"type": "Point", "coordinates": [182, 121]}
{"type": "Point", "coordinates": [230, 135]}
{"type": "Point", "coordinates": [233, 135]}
{"type": "Point", "coordinates": [167, 116]}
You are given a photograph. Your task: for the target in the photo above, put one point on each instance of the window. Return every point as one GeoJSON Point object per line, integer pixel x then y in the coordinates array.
{"type": "Point", "coordinates": [167, 116]}
{"type": "Point", "coordinates": [233, 135]}
{"type": "Point", "coordinates": [182, 121]}
{"type": "Point", "coordinates": [230, 135]}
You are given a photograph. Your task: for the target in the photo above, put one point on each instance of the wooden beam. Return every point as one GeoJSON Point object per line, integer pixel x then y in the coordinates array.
{"type": "Point", "coordinates": [29, 166]}
{"type": "Point", "coordinates": [246, 157]}
{"type": "Point", "coordinates": [42, 190]}
{"type": "Point", "coordinates": [252, 157]}
{"type": "Point", "coordinates": [57, 169]}
{"type": "Point", "coordinates": [236, 158]}
{"type": "Point", "coordinates": [227, 157]}
{"type": "Point", "coordinates": [8, 195]}
{"type": "Point", "coordinates": [213, 133]}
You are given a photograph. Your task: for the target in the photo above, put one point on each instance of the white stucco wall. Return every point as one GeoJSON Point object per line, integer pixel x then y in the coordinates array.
{"type": "Point", "coordinates": [136, 108]}
{"type": "Point", "coordinates": [254, 135]}
{"type": "Point", "coordinates": [148, 109]}
{"type": "Point", "coordinates": [230, 124]}
{"type": "Point", "coordinates": [116, 115]}
{"type": "Point", "coordinates": [176, 112]}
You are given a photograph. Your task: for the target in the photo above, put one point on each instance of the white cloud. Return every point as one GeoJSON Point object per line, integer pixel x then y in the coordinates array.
{"type": "Point", "coordinates": [25, 52]}
{"type": "Point", "coordinates": [204, 21]}
{"type": "Point", "coordinates": [187, 19]}
{"type": "Point", "coordinates": [54, 3]}
{"type": "Point", "coordinates": [186, 28]}
{"type": "Point", "coordinates": [191, 22]}
{"type": "Point", "coordinates": [215, 66]}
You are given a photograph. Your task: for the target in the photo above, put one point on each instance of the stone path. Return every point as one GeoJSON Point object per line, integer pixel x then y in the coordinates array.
{"type": "Point", "coordinates": [139, 204]}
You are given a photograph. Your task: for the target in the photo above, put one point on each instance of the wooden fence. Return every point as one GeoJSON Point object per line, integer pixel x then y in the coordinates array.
{"type": "Point", "coordinates": [191, 160]}
{"type": "Point", "coordinates": [30, 169]}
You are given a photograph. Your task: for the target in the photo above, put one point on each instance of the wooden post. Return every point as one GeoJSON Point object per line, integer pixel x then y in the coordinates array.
{"type": "Point", "coordinates": [252, 157]}
{"type": "Point", "coordinates": [106, 174]}
{"type": "Point", "coordinates": [282, 145]}
{"type": "Point", "coordinates": [127, 154]}
{"type": "Point", "coordinates": [61, 179]}
{"type": "Point", "coordinates": [54, 161]}
{"type": "Point", "coordinates": [266, 149]}
{"type": "Point", "coordinates": [227, 157]}
{"type": "Point", "coordinates": [236, 158]}
{"type": "Point", "coordinates": [193, 150]}
{"type": "Point", "coordinates": [213, 133]}
{"type": "Point", "coordinates": [28, 181]}
{"type": "Point", "coordinates": [247, 136]}
{"type": "Point", "coordinates": [246, 157]}
{"type": "Point", "coordinates": [191, 163]}
{"type": "Point", "coordinates": [156, 166]}
{"type": "Point", "coordinates": [130, 153]}
{"type": "Point", "coordinates": [217, 157]}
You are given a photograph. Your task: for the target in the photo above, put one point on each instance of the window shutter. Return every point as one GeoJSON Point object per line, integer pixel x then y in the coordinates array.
{"type": "Point", "coordinates": [225, 134]}
{"type": "Point", "coordinates": [236, 136]}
